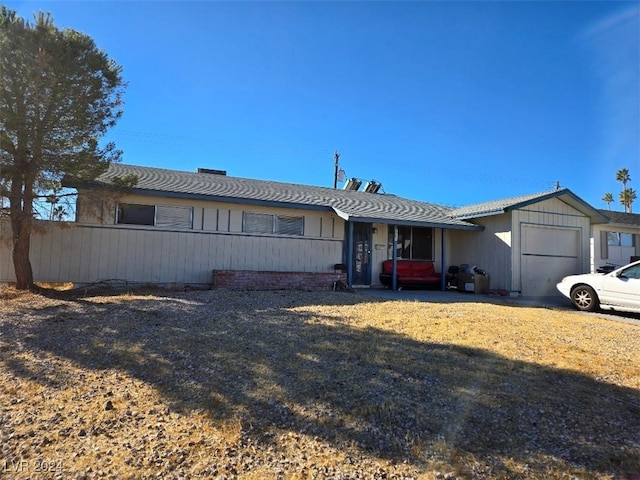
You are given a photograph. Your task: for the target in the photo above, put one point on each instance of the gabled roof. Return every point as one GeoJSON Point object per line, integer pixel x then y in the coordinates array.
{"type": "Point", "coordinates": [350, 205]}
{"type": "Point", "coordinates": [498, 207]}
{"type": "Point", "coordinates": [621, 218]}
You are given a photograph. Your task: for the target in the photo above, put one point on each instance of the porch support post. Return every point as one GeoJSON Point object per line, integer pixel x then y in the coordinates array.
{"type": "Point", "coordinates": [394, 270]}
{"type": "Point", "coordinates": [443, 279]}
{"type": "Point", "coordinates": [350, 254]}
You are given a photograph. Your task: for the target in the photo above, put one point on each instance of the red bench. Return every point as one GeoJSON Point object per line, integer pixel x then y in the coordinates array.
{"type": "Point", "coordinates": [411, 273]}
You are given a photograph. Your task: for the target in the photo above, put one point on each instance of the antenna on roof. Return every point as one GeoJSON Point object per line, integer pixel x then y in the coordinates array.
{"type": "Point", "coordinates": [557, 185]}
{"type": "Point", "coordinates": [336, 173]}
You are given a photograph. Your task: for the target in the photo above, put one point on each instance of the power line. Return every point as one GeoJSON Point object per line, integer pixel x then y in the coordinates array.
{"type": "Point", "coordinates": [181, 141]}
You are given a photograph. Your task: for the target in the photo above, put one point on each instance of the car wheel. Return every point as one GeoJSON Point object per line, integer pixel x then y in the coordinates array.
{"type": "Point", "coordinates": [584, 298]}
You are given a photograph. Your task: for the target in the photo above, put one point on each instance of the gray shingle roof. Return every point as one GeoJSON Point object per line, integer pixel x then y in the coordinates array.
{"type": "Point", "coordinates": [357, 206]}
{"type": "Point", "coordinates": [631, 219]}
{"type": "Point", "coordinates": [501, 206]}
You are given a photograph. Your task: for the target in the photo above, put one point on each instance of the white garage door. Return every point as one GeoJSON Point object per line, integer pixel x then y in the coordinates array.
{"type": "Point", "coordinates": [548, 254]}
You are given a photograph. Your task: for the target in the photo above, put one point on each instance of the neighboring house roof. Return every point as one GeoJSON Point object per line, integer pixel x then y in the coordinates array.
{"type": "Point", "coordinates": [350, 205]}
{"type": "Point", "coordinates": [498, 207]}
{"type": "Point", "coordinates": [621, 218]}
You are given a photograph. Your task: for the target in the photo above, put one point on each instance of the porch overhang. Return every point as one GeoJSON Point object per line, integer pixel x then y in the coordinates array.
{"type": "Point", "coordinates": [433, 223]}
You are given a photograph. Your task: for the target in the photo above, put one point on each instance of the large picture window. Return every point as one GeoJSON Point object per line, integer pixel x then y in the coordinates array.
{"type": "Point", "coordinates": [268, 223]}
{"type": "Point", "coordinates": [414, 243]}
{"type": "Point", "coordinates": [155, 215]}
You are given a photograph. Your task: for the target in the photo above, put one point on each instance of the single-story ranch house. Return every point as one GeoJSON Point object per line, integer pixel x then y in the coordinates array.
{"type": "Point", "coordinates": [205, 228]}
{"type": "Point", "coordinates": [615, 242]}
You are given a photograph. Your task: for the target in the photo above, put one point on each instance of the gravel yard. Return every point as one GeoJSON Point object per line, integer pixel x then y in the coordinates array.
{"type": "Point", "coordinates": [297, 385]}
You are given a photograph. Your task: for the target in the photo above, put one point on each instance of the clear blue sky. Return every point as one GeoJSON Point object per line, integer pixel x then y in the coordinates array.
{"type": "Point", "coordinates": [453, 102]}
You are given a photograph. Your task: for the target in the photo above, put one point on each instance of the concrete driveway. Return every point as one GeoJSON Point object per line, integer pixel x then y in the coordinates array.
{"type": "Point", "coordinates": [453, 296]}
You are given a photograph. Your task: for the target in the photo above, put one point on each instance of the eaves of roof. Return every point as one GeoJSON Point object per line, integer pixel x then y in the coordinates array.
{"type": "Point", "coordinates": [621, 218]}
{"type": "Point", "coordinates": [487, 213]}
{"type": "Point", "coordinates": [409, 223]}
{"type": "Point", "coordinates": [515, 203]}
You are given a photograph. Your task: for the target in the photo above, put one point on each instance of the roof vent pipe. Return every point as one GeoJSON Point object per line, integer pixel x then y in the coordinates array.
{"type": "Point", "coordinates": [211, 171]}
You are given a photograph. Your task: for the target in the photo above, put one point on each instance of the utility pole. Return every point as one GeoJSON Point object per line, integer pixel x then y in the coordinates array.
{"type": "Point", "coordinates": [335, 173]}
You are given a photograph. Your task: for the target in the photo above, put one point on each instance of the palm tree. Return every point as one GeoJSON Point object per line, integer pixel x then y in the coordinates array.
{"type": "Point", "coordinates": [623, 177]}
{"type": "Point", "coordinates": [58, 213]}
{"type": "Point", "coordinates": [608, 199]}
{"type": "Point", "coordinates": [627, 197]}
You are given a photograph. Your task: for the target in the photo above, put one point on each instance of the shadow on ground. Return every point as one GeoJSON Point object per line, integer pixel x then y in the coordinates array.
{"type": "Point", "coordinates": [385, 393]}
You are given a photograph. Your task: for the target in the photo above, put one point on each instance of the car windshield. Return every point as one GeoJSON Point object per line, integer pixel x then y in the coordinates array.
{"type": "Point", "coordinates": [631, 272]}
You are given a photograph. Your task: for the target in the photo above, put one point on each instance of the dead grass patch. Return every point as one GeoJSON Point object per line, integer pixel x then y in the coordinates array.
{"type": "Point", "coordinates": [307, 385]}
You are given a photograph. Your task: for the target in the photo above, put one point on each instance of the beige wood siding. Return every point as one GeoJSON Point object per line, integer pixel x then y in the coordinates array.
{"type": "Point", "coordinates": [91, 253]}
{"type": "Point", "coordinates": [489, 249]}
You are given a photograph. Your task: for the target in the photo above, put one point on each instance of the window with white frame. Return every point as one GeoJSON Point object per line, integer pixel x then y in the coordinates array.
{"type": "Point", "coordinates": [268, 223]}
{"type": "Point", "coordinates": [619, 239]}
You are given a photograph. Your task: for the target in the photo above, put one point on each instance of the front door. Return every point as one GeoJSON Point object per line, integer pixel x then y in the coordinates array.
{"type": "Point", "coordinates": [361, 267]}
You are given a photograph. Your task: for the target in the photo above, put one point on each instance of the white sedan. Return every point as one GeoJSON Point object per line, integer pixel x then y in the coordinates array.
{"type": "Point", "coordinates": [618, 290]}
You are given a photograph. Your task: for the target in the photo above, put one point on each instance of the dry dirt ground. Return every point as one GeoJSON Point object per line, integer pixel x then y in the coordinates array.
{"type": "Point", "coordinates": [303, 385]}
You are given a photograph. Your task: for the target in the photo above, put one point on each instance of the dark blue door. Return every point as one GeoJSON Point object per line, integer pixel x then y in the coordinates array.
{"type": "Point", "coordinates": [361, 267]}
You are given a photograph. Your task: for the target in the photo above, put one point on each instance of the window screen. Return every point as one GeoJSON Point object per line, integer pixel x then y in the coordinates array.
{"type": "Point", "coordinates": [257, 223]}
{"type": "Point", "coordinates": [174, 217]}
{"type": "Point", "coordinates": [289, 225]}
{"type": "Point", "coordinates": [267, 223]}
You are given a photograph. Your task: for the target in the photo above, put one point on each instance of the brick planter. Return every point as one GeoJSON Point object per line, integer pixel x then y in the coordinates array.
{"type": "Point", "coordinates": [260, 280]}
